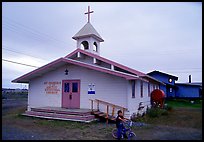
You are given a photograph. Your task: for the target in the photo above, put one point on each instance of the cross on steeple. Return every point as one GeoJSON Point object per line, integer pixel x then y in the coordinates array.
{"type": "Point", "coordinates": [89, 12]}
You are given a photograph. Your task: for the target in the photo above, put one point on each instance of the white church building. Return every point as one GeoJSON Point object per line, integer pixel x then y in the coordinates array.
{"type": "Point", "coordinates": [85, 80]}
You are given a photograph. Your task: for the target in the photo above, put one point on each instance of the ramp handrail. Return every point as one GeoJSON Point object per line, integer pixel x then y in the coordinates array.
{"type": "Point", "coordinates": [107, 106]}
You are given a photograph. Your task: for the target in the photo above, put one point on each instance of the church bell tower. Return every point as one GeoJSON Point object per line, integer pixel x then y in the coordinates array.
{"type": "Point", "coordinates": [88, 38]}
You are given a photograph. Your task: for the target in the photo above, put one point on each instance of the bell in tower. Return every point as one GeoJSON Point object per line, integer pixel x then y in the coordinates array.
{"type": "Point", "coordinates": [88, 38]}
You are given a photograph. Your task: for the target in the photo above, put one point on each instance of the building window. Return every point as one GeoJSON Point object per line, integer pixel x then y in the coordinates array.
{"type": "Point", "coordinates": [95, 47]}
{"type": "Point", "coordinates": [170, 80]}
{"type": "Point", "coordinates": [85, 45]}
{"type": "Point", "coordinates": [75, 87]}
{"type": "Point", "coordinates": [170, 90]}
{"type": "Point", "coordinates": [66, 87]}
{"type": "Point", "coordinates": [148, 89]}
{"type": "Point", "coordinates": [153, 87]}
{"type": "Point", "coordinates": [141, 89]}
{"type": "Point", "coordinates": [133, 88]}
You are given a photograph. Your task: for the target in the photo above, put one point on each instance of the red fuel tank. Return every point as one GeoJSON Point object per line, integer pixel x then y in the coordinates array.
{"type": "Point", "coordinates": [157, 98]}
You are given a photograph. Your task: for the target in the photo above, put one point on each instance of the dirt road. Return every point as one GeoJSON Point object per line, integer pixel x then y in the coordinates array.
{"type": "Point", "coordinates": [17, 127]}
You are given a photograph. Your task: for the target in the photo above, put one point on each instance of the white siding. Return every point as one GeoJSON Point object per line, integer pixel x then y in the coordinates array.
{"type": "Point", "coordinates": [133, 103]}
{"type": "Point", "coordinates": [109, 88]}
{"type": "Point", "coordinates": [37, 96]}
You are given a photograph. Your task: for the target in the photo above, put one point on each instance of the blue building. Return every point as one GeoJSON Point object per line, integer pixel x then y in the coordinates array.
{"type": "Point", "coordinates": [189, 90]}
{"type": "Point", "coordinates": [169, 80]}
{"type": "Point", "coordinates": [177, 90]}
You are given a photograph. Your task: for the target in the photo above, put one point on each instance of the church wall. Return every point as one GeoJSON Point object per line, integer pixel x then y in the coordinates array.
{"type": "Point", "coordinates": [37, 93]}
{"type": "Point", "coordinates": [109, 88]}
{"type": "Point", "coordinates": [133, 103]}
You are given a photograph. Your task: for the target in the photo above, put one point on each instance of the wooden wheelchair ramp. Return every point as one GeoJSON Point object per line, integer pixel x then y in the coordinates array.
{"type": "Point", "coordinates": [109, 113]}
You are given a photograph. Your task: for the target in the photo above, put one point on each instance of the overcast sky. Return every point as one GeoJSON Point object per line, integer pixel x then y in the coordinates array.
{"type": "Point", "coordinates": [144, 36]}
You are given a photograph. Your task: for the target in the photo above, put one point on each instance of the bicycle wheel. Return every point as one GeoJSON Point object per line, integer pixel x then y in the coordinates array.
{"type": "Point", "coordinates": [114, 133]}
{"type": "Point", "coordinates": [132, 136]}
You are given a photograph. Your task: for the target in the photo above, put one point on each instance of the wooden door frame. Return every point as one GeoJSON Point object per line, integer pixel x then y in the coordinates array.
{"type": "Point", "coordinates": [79, 86]}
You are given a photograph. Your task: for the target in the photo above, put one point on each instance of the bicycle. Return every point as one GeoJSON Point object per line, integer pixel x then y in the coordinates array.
{"type": "Point", "coordinates": [130, 134]}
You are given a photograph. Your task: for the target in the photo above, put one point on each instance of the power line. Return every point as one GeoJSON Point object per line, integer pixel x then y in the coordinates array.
{"type": "Point", "coordinates": [39, 38]}
{"type": "Point", "coordinates": [19, 63]}
{"type": "Point", "coordinates": [14, 24]}
{"type": "Point", "coordinates": [21, 53]}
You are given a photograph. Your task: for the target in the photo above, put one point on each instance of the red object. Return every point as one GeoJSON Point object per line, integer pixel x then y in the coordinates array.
{"type": "Point", "coordinates": [157, 98]}
{"type": "Point", "coordinates": [70, 97]}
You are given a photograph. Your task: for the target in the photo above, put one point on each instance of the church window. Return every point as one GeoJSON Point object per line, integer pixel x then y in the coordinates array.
{"type": "Point", "coordinates": [141, 89]}
{"type": "Point", "coordinates": [133, 88]}
{"type": "Point", "coordinates": [66, 87]}
{"type": "Point", "coordinates": [85, 45]}
{"type": "Point", "coordinates": [95, 46]}
{"type": "Point", "coordinates": [75, 87]}
{"type": "Point", "coordinates": [148, 89]}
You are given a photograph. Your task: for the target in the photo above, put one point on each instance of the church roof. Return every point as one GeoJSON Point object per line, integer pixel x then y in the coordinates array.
{"type": "Point", "coordinates": [63, 61]}
{"type": "Point", "coordinates": [142, 76]}
{"type": "Point", "coordinates": [132, 75]}
{"type": "Point", "coordinates": [88, 30]}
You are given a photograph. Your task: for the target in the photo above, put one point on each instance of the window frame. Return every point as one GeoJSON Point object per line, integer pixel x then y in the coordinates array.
{"type": "Point", "coordinates": [148, 89]}
{"type": "Point", "coordinates": [170, 89]}
{"type": "Point", "coordinates": [141, 89]}
{"type": "Point", "coordinates": [133, 88]}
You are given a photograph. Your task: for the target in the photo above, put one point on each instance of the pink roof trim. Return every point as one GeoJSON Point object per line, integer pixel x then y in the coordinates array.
{"type": "Point", "coordinates": [107, 61]}
{"type": "Point", "coordinates": [37, 70]}
{"type": "Point", "coordinates": [101, 69]}
{"type": "Point", "coordinates": [124, 75]}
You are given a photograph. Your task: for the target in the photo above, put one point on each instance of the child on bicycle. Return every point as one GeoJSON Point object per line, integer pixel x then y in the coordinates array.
{"type": "Point", "coordinates": [119, 124]}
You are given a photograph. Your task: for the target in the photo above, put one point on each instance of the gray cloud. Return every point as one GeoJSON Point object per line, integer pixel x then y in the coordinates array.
{"type": "Point", "coordinates": [144, 36]}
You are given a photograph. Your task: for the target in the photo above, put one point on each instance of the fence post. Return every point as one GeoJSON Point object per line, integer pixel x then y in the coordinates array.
{"type": "Point", "coordinates": [113, 110]}
{"type": "Point", "coordinates": [107, 114]}
{"type": "Point", "coordinates": [98, 105]}
{"type": "Point", "coordinates": [91, 105]}
{"type": "Point", "coordinates": [123, 111]}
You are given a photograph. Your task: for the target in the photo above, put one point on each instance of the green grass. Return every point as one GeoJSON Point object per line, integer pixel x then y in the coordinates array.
{"type": "Point", "coordinates": [55, 123]}
{"type": "Point", "coordinates": [175, 103]}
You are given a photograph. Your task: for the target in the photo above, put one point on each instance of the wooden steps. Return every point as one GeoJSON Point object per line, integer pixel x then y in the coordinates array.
{"type": "Point", "coordinates": [82, 116]}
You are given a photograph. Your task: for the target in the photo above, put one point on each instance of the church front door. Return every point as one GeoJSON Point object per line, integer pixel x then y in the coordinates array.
{"type": "Point", "coordinates": [71, 93]}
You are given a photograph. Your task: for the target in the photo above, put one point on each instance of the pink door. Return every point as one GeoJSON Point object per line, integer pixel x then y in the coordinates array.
{"type": "Point", "coordinates": [71, 93]}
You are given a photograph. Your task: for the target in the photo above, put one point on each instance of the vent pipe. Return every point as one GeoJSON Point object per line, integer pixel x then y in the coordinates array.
{"type": "Point", "coordinates": [189, 79]}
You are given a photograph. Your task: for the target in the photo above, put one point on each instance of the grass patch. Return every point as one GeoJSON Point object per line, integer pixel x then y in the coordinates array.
{"type": "Point", "coordinates": [175, 103]}
{"type": "Point", "coordinates": [55, 123]}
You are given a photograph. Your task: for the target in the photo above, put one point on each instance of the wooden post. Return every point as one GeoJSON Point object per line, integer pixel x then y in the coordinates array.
{"type": "Point", "coordinates": [91, 105]}
{"type": "Point", "coordinates": [113, 110]}
{"type": "Point", "coordinates": [98, 105]}
{"type": "Point", "coordinates": [107, 114]}
{"type": "Point", "coordinates": [123, 111]}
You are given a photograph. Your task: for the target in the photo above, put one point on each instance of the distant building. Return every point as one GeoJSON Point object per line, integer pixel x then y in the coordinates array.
{"type": "Point", "coordinates": [189, 90]}
{"type": "Point", "coordinates": [9, 90]}
{"type": "Point", "coordinates": [170, 87]}
{"type": "Point", "coordinates": [177, 90]}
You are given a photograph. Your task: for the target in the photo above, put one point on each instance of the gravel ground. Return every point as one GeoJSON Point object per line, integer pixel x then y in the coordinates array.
{"type": "Point", "coordinates": [18, 128]}
{"type": "Point", "coordinates": [15, 133]}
